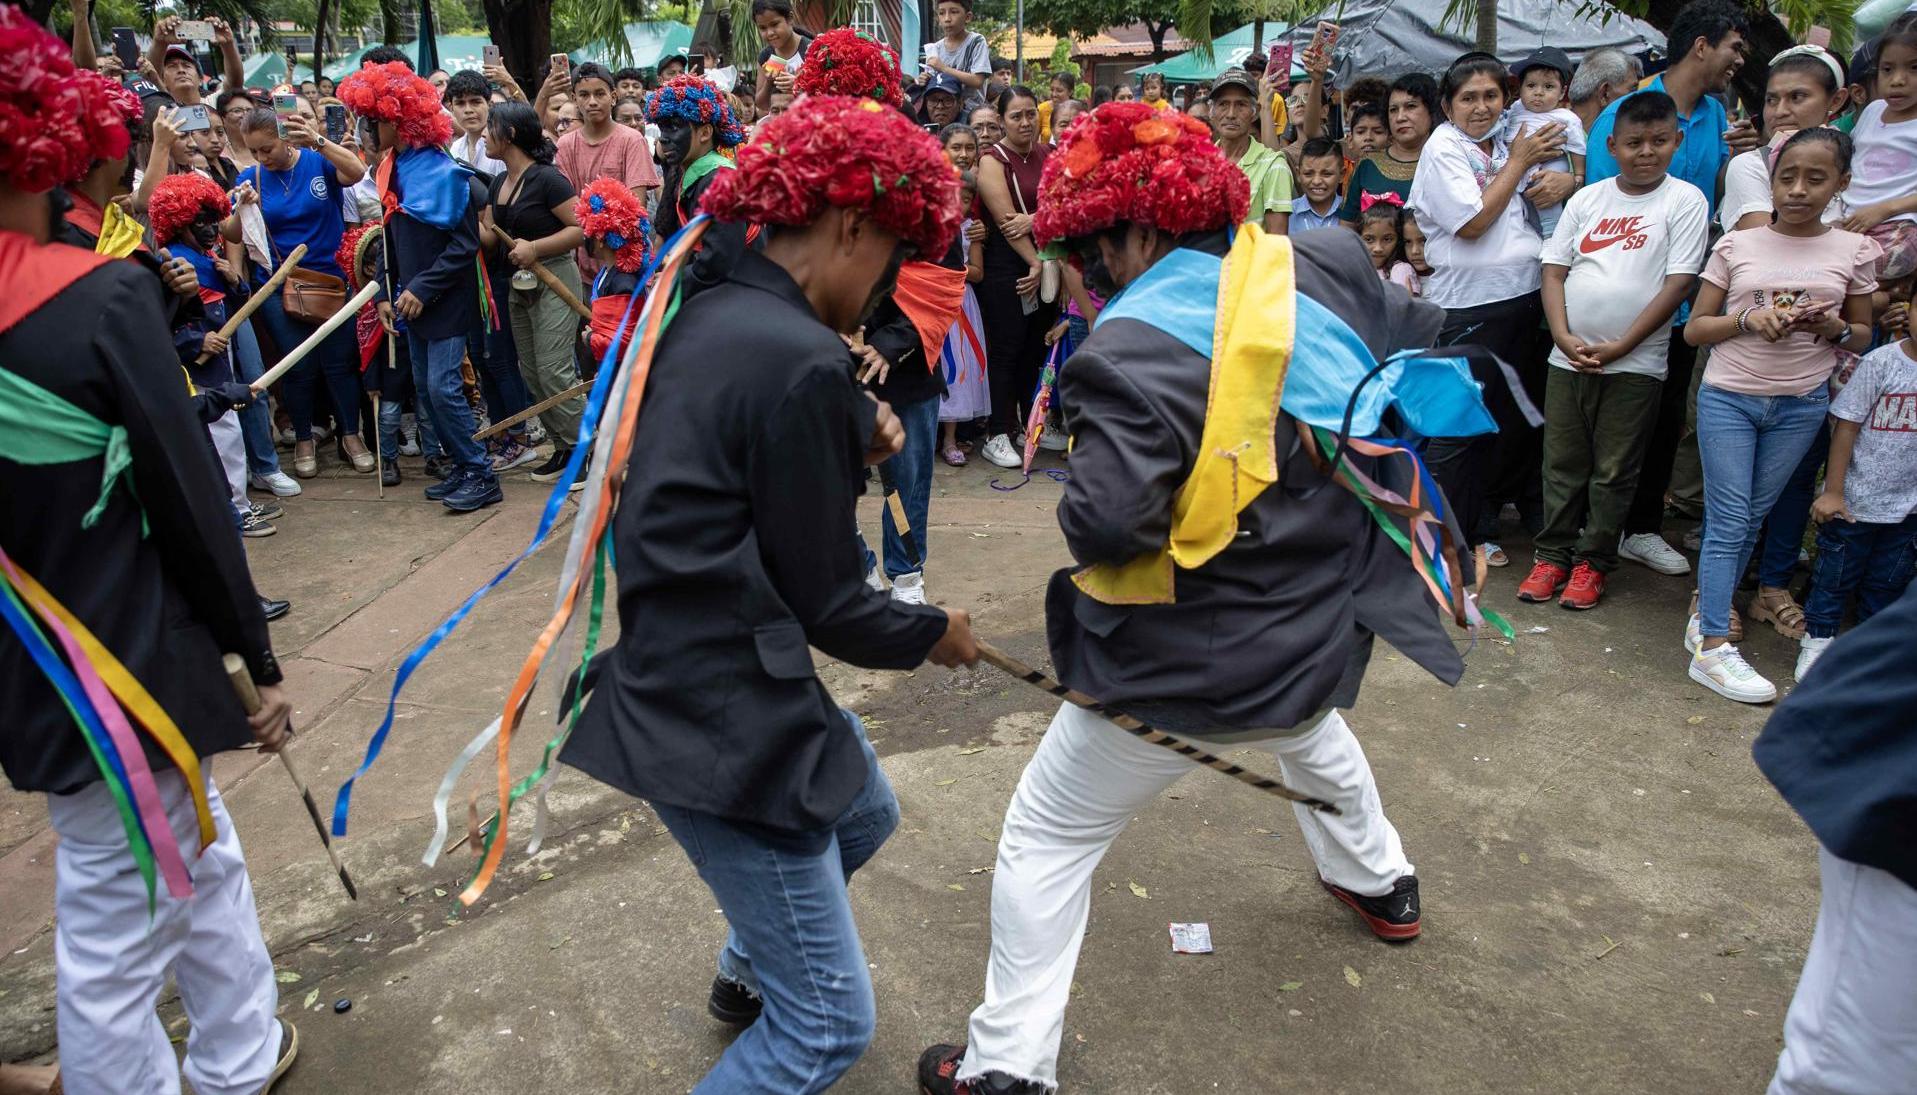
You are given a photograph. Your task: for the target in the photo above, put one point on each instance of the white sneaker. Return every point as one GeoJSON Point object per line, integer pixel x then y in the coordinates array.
{"type": "Point", "coordinates": [408, 444]}
{"type": "Point", "coordinates": [279, 483]}
{"type": "Point", "coordinates": [1724, 671]}
{"type": "Point", "coordinates": [999, 451]}
{"type": "Point", "coordinates": [872, 578]}
{"type": "Point", "coordinates": [1052, 440]}
{"type": "Point", "coordinates": [1809, 649]}
{"type": "Point", "coordinates": [1649, 549]}
{"type": "Point", "coordinates": [1693, 636]}
{"type": "Point", "coordinates": [909, 588]}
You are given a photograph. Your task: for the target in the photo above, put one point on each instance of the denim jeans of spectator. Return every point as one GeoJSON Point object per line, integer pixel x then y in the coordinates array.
{"type": "Point", "coordinates": [330, 372]}
{"type": "Point", "coordinates": [1750, 445]}
{"type": "Point", "coordinates": [1874, 561]}
{"type": "Point", "coordinates": [1784, 527]}
{"type": "Point", "coordinates": [911, 472]}
{"type": "Point", "coordinates": [256, 421]}
{"type": "Point", "coordinates": [792, 941]}
{"type": "Point", "coordinates": [497, 362]}
{"type": "Point", "coordinates": [436, 377]}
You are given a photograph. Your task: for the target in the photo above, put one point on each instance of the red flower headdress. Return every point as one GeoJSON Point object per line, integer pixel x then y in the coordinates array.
{"type": "Point", "coordinates": [353, 246]}
{"type": "Point", "coordinates": [609, 212]}
{"type": "Point", "coordinates": [54, 120]}
{"type": "Point", "coordinates": [394, 93]}
{"type": "Point", "coordinates": [1126, 162]}
{"type": "Point", "coordinates": [179, 200]}
{"type": "Point", "coordinates": [850, 62]}
{"type": "Point", "coordinates": [694, 99]}
{"type": "Point", "coordinates": [829, 150]}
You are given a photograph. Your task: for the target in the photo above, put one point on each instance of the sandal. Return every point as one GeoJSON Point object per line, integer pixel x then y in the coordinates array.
{"type": "Point", "coordinates": [953, 456]}
{"type": "Point", "coordinates": [1777, 608]}
{"type": "Point", "coordinates": [1495, 556]}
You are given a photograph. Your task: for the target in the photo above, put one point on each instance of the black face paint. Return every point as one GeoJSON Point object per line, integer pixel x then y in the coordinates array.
{"type": "Point", "coordinates": [675, 141]}
{"type": "Point", "coordinates": [1091, 266]}
{"type": "Point", "coordinates": [206, 233]}
{"type": "Point", "coordinates": [888, 281]}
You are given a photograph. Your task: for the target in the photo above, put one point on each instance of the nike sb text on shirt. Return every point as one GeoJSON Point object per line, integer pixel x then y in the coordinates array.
{"type": "Point", "coordinates": [1620, 248]}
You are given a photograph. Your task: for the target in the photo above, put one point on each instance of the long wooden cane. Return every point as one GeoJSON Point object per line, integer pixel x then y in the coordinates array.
{"type": "Point", "coordinates": [258, 298]}
{"type": "Point", "coordinates": [534, 411]}
{"type": "Point", "coordinates": [347, 311]}
{"type": "Point", "coordinates": [379, 449]}
{"type": "Point", "coordinates": [551, 281]}
{"type": "Point", "coordinates": [1143, 731]}
{"type": "Point", "coordinates": [242, 679]}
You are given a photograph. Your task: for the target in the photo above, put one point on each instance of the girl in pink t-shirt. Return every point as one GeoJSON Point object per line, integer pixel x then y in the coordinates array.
{"type": "Point", "coordinates": [1777, 304]}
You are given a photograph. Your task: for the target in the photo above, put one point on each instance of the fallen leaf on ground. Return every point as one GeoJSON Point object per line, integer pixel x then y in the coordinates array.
{"type": "Point", "coordinates": [1352, 978]}
{"type": "Point", "coordinates": [1695, 719]}
{"type": "Point", "coordinates": [955, 886]}
{"type": "Point", "coordinates": [1707, 997]}
{"type": "Point", "coordinates": [286, 977]}
{"type": "Point", "coordinates": [945, 783]}
{"type": "Point", "coordinates": [981, 870]}
{"type": "Point", "coordinates": [437, 892]}
{"type": "Point", "coordinates": [311, 999]}
{"type": "Point", "coordinates": [1523, 858]}
{"type": "Point", "coordinates": [1291, 986]}
{"type": "Point", "coordinates": [973, 749]}
{"type": "Point", "coordinates": [1139, 891]}
{"type": "Point", "coordinates": [545, 876]}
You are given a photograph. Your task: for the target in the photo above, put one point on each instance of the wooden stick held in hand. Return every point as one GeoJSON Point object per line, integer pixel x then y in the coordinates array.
{"type": "Point", "coordinates": [258, 298]}
{"type": "Point", "coordinates": [551, 280]}
{"type": "Point", "coordinates": [242, 679]}
{"type": "Point", "coordinates": [344, 315]}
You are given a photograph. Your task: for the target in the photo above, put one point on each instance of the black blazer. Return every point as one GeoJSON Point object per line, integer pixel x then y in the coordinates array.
{"type": "Point", "coordinates": [1278, 626]}
{"type": "Point", "coordinates": [167, 603]}
{"type": "Point", "coordinates": [736, 545]}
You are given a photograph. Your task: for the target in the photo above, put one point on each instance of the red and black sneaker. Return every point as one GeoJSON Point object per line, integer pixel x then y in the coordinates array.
{"type": "Point", "coordinates": [1542, 583]}
{"type": "Point", "coordinates": [1584, 589]}
{"type": "Point", "coordinates": [939, 1064]}
{"type": "Point", "coordinates": [1392, 917]}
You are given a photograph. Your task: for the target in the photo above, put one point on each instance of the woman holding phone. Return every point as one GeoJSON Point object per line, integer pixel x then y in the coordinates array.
{"type": "Point", "coordinates": [297, 181]}
{"type": "Point", "coordinates": [1014, 317]}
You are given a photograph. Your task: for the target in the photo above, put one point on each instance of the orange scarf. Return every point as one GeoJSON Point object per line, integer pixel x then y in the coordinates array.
{"type": "Point", "coordinates": [930, 296]}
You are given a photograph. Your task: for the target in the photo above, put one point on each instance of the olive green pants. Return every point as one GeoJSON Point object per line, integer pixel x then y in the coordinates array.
{"type": "Point", "coordinates": [544, 331]}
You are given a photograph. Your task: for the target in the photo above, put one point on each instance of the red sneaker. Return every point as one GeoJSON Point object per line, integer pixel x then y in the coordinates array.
{"type": "Point", "coordinates": [1542, 583]}
{"type": "Point", "coordinates": [1584, 589]}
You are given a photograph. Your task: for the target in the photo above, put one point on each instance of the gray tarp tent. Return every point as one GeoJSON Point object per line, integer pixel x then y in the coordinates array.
{"type": "Point", "coordinates": [1388, 37]}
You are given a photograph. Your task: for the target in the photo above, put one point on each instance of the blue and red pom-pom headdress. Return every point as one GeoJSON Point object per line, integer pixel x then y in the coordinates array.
{"type": "Point", "coordinates": [612, 215]}
{"type": "Point", "coordinates": [693, 99]}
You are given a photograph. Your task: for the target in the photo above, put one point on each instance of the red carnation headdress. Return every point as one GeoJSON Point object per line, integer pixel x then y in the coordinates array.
{"type": "Point", "coordinates": [850, 62]}
{"type": "Point", "coordinates": [394, 93]}
{"type": "Point", "coordinates": [54, 120]}
{"type": "Point", "coordinates": [353, 246]}
{"type": "Point", "coordinates": [694, 99]}
{"type": "Point", "coordinates": [829, 150]}
{"type": "Point", "coordinates": [1126, 162]}
{"type": "Point", "coordinates": [179, 200]}
{"type": "Point", "coordinates": [609, 212]}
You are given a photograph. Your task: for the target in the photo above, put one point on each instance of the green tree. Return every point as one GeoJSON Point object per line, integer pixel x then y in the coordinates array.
{"type": "Point", "coordinates": [1084, 18]}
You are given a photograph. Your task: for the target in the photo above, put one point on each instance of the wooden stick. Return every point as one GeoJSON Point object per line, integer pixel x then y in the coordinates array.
{"type": "Point", "coordinates": [242, 679]}
{"type": "Point", "coordinates": [258, 298]}
{"type": "Point", "coordinates": [347, 311]}
{"type": "Point", "coordinates": [379, 453]}
{"type": "Point", "coordinates": [505, 424]}
{"type": "Point", "coordinates": [1143, 731]}
{"type": "Point", "coordinates": [552, 280]}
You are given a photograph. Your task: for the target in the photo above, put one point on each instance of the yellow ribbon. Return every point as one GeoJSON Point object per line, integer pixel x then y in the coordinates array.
{"type": "Point", "coordinates": [1237, 456]}
{"type": "Point", "coordinates": [134, 697]}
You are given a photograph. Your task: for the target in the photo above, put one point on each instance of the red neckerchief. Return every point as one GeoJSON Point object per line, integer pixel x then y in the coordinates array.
{"type": "Point", "coordinates": [33, 273]}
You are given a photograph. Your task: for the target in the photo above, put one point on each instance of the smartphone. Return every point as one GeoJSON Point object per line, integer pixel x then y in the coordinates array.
{"type": "Point", "coordinates": [126, 47]}
{"type": "Point", "coordinates": [1325, 39]}
{"type": "Point", "coordinates": [491, 53]}
{"type": "Point", "coordinates": [285, 106]}
{"type": "Point", "coordinates": [194, 30]}
{"type": "Point", "coordinates": [335, 122]}
{"type": "Point", "coordinates": [1278, 63]}
{"type": "Point", "coordinates": [561, 63]}
{"type": "Point", "coordinates": [194, 118]}
{"type": "Point", "coordinates": [696, 63]}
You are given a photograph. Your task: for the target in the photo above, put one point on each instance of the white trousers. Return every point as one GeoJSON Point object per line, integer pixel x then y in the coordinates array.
{"type": "Point", "coordinates": [1852, 1027]}
{"type": "Point", "coordinates": [1085, 782]}
{"type": "Point", "coordinates": [112, 959]}
{"type": "Point", "coordinates": [230, 444]}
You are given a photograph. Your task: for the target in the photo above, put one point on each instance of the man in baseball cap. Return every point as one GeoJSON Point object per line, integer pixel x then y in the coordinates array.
{"type": "Point", "coordinates": [1234, 126]}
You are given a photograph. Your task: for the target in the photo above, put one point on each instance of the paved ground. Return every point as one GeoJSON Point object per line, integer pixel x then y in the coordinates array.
{"type": "Point", "coordinates": [1615, 900]}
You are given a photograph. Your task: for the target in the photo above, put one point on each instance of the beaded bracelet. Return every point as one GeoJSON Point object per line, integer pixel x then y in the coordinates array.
{"type": "Point", "coordinates": [1741, 317]}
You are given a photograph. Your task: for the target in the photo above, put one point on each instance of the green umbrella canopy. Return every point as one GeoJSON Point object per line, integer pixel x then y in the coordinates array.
{"type": "Point", "coordinates": [1227, 51]}
{"type": "Point", "coordinates": [647, 44]}
{"type": "Point", "coordinates": [269, 69]}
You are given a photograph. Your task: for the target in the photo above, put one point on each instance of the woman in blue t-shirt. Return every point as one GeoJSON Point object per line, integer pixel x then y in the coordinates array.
{"type": "Point", "coordinates": [298, 182]}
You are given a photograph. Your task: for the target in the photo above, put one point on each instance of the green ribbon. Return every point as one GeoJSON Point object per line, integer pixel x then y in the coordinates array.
{"type": "Point", "coordinates": [38, 428]}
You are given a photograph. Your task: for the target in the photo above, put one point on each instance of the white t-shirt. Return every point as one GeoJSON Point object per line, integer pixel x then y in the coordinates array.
{"type": "Point", "coordinates": [973, 55]}
{"type": "Point", "coordinates": [1883, 162]}
{"type": "Point", "coordinates": [470, 149]}
{"type": "Point", "coordinates": [1747, 188]}
{"type": "Point", "coordinates": [1881, 486]}
{"type": "Point", "coordinates": [1447, 192]}
{"type": "Point", "coordinates": [1619, 249]}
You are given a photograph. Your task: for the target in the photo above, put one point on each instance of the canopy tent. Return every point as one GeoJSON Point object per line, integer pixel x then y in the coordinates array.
{"type": "Point", "coordinates": [456, 51]}
{"type": "Point", "coordinates": [1389, 37]}
{"type": "Point", "coordinates": [1873, 16]}
{"type": "Point", "coordinates": [647, 44]}
{"type": "Point", "coordinates": [1227, 51]}
{"type": "Point", "coordinates": [269, 70]}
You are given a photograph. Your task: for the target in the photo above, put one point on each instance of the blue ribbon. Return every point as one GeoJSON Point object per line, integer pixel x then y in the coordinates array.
{"type": "Point", "coordinates": [588, 424]}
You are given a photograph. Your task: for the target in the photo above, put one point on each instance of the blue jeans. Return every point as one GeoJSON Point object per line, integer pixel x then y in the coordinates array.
{"type": "Point", "coordinates": [497, 359]}
{"type": "Point", "coordinates": [1749, 446]}
{"type": "Point", "coordinates": [911, 470]}
{"type": "Point", "coordinates": [256, 421]}
{"type": "Point", "coordinates": [1874, 561]}
{"type": "Point", "coordinates": [1784, 528]}
{"type": "Point", "coordinates": [436, 378]}
{"type": "Point", "coordinates": [792, 940]}
{"type": "Point", "coordinates": [332, 366]}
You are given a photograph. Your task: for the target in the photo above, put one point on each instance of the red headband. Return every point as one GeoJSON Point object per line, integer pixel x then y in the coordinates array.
{"type": "Point", "coordinates": [1130, 163]}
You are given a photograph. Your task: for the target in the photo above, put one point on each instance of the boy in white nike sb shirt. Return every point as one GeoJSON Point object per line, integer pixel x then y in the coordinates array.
{"type": "Point", "coordinates": [1622, 260]}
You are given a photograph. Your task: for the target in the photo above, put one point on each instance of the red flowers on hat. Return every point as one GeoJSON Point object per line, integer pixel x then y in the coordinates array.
{"type": "Point", "coordinates": [55, 121]}
{"type": "Point", "coordinates": [830, 150]}
{"type": "Point", "coordinates": [850, 62]}
{"type": "Point", "coordinates": [394, 93]}
{"type": "Point", "coordinates": [1129, 163]}
{"type": "Point", "coordinates": [609, 213]}
{"type": "Point", "coordinates": [353, 245]}
{"type": "Point", "coordinates": [179, 200]}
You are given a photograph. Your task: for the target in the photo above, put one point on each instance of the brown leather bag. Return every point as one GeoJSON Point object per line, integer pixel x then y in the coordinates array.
{"type": "Point", "coordinates": [312, 297]}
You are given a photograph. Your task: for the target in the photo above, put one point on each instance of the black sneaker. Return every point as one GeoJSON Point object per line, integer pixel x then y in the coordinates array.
{"type": "Point", "coordinates": [554, 467]}
{"type": "Point", "coordinates": [389, 473]}
{"type": "Point", "coordinates": [476, 492]}
{"type": "Point", "coordinates": [579, 482]}
{"type": "Point", "coordinates": [448, 484]}
{"type": "Point", "coordinates": [253, 526]}
{"type": "Point", "coordinates": [939, 1064]}
{"type": "Point", "coordinates": [733, 1003]}
{"type": "Point", "coordinates": [440, 467]}
{"type": "Point", "coordinates": [269, 510]}
{"type": "Point", "coordinates": [1392, 917]}
{"type": "Point", "coordinates": [275, 609]}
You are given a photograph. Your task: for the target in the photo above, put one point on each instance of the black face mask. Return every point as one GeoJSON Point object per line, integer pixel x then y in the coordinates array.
{"type": "Point", "coordinates": [1091, 267]}
{"type": "Point", "coordinates": [675, 142]}
{"type": "Point", "coordinates": [887, 282]}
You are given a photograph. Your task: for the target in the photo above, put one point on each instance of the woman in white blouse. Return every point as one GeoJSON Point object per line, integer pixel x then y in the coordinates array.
{"type": "Point", "coordinates": [1482, 241]}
